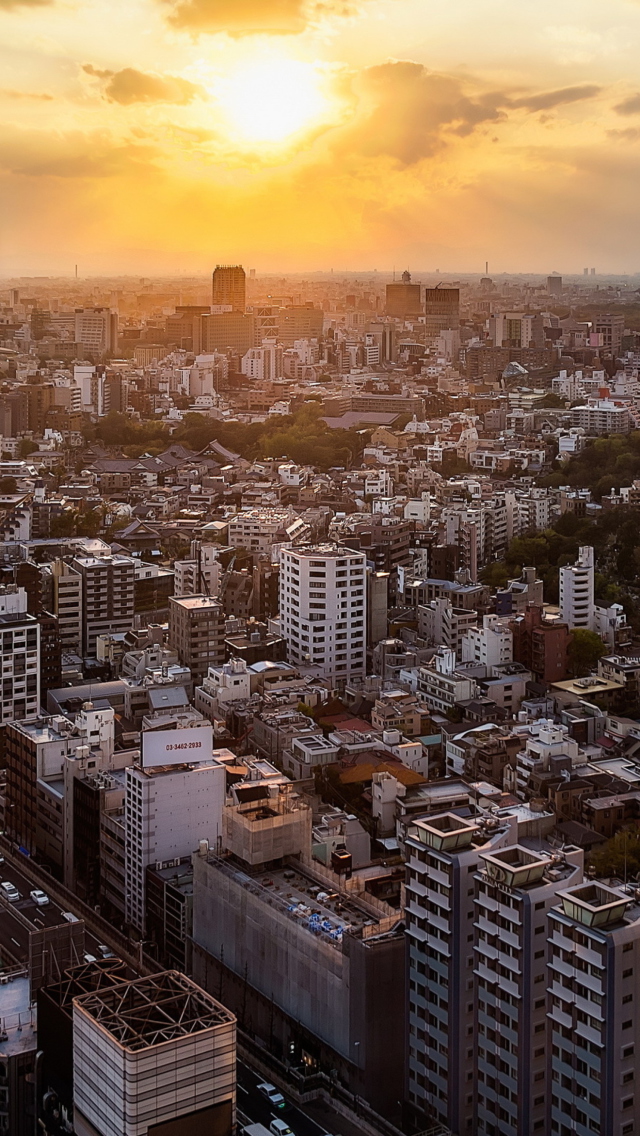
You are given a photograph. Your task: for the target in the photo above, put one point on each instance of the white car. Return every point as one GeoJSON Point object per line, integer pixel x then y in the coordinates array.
{"type": "Point", "coordinates": [271, 1093]}
{"type": "Point", "coordinates": [105, 951]}
{"type": "Point", "coordinates": [40, 898]}
{"type": "Point", "coordinates": [280, 1128]}
{"type": "Point", "coordinates": [70, 917]}
{"type": "Point", "coordinates": [10, 891]}
{"type": "Point", "coordinates": [89, 958]}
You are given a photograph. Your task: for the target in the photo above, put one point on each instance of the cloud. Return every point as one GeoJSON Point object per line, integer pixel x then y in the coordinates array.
{"type": "Point", "coordinates": [6, 93]}
{"type": "Point", "coordinates": [631, 134]}
{"type": "Point", "coordinates": [39, 153]}
{"type": "Point", "coordinates": [548, 99]}
{"type": "Point", "coordinates": [132, 86]}
{"type": "Point", "coordinates": [631, 105]}
{"type": "Point", "coordinates": [8, 5]}
{"type": "Point", "coordinates": [255, 17]}
{"type": "Point", "coordinates": [241, 17]}
{"type": "Point", "coordinates": [407, 112]}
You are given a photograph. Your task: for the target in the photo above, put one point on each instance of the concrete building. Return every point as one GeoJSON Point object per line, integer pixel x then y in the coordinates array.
{"type": "Point", "coordinates": [229, 287]}
{"type": "Point", "coordinates": [439, 684]}
{"type": "Point", "coordinates": [540, 644]}
{"type": "Point", "coordinates": [108, 596]}
{"type": "Point", "coordinates": [263, 363]}
{"type": "Point", "coordinates": [196, 632]}
{"type": "Point", "coordinates": [200, 573]}
{"type": "Point", "coordinates": [594, 1026]}
{"type": "Point", "coordinates": [515, 888]}
{"type": "Point", "coordinates": [490, 645]}
{"type": "Point", "coordinates": [67, 604]}
{"type": "Point", "coordinates": [602, 416]}
{"type": "Point", "coordinates": [290, 945]}
{"type": "Point", "coordinates": [576, 591]}
{"type": "Point", "coordinates": [168, 810]}
{"type": "Point", "coordinates": [322, 609]}
{"type": "Point", "coordinates": [259, 529]}
{"type": "Point", "coordinates": [20, 656]}
{"type": "Point", "coordinates": [442, 310]}
{"type": "Point", "coordinates": [443, 852]}
{"type": "Point", "coordinates": [97, 330]}
{"type": "Point", "coordinates": [167, 1059]}
{"type": "Point", "coordinates": [443, 625]}
{"type": "Point", "coordinates": [403, 299]}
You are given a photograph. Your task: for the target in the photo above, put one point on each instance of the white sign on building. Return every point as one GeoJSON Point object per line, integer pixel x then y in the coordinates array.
{"type": "Point", "coordinates": [175, 747]}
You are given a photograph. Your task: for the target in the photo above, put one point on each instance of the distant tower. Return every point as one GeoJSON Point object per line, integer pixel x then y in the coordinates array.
{"type": "Point", "coordinates": [554, 285]}
{"type": "Point", "coordinates": [229, 286]}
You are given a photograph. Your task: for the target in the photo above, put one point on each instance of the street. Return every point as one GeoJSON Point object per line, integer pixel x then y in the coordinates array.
{"type": "Point", "coordinates": [253, 1106]}
{"type": "Point", "coordinates": [14, 935]}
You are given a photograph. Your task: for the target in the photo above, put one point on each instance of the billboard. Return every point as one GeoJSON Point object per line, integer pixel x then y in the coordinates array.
{"type": "Point", "coordinates": [175, 747]}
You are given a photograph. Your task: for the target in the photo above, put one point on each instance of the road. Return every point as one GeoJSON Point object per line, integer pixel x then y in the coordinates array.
{"type": "Point", "coordinates": [257, 1110]}
{"type": "Point", "coordinates": [14, 935]}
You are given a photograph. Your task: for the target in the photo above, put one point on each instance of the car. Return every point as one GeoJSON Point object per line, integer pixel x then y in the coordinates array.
{"type": "Point", "coordinates": [271, 1093]}
{"type": "Point", "coordinates": [280, 1128]}
{"type": "Point", "coordinates": [89, 958]}
{"type": "Point", "coordinates": [10, 891]}
{"type": "Point", "coordinates": [40, 898]}
{"type": "Point", "coordinates": [105, 951]}
{"type": "Point", "coordinates": [70, 917]}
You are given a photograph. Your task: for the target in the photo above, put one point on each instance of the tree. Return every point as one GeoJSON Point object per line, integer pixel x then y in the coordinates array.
{"type": "Point", "coordinates": [8, 485]}
{"type": "Point", "coordinates": [620, 856]}
{"type": "Point", "coordinates": [584, 651]}
{"type": "Point", "coordinates": [26, 447]}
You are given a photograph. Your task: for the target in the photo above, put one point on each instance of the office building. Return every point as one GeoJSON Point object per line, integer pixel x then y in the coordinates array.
{"type": "Point", "coordinates": [594, 1025]}
{"type": "Point", "coordinates": [196, 632]}
{"type": "Point", "coordinates": [227, 331]}
{"type": "Point", "coordinates": [108, 596]}
{"type": "Point", "coordinates": [403, 299]}
{"type": "Point", "coordinates": [20, 656]}
{"type": "Point", "coordinates": [67, 604]}
{"type": "Point", "coordinates": [229, 287]}
{"type": "Point", "coordinates": [442, 310]}
{"type": "Point", "coordinates": [166, 1054]}
{"type": "Point", "coordinates": [322, 609]}
{"type": "Point", "coordinates": [96, 329]}
{"type": "Point", "coordinates": [302, 321]}
{"type": "Point", "coordinates": [554, 285]}
{"type": "Point", "coordinates": [608, 330]}
{"type": "Point", "coordinates": [442, 853]}
{"type": "Point", "coordinates": [576, 591]}
{"type": "Point", "coordinates": [515, 888]}
{"type": "Point", "coordinates": [168, 810]}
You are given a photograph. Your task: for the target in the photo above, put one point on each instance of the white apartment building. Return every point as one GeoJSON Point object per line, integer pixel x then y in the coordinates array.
{"type": "Point", "coordinates": [439, 684]}
{"type": "Point", "coordinates": [602, 416]}
{"type": "Point", "coordinates": [20, 656]}
{"type": "Point", "coordinates": [227, 683]}
{"type": "Point", "coordinates": [258, 530]}
{"type": "Point", "coordinates": [201, 573]}
{"type": "Point", "coordinates": [490, 645]}
{"type": "Point", "coordinates": [547, 747]}
{"type": "Point", "coordinates": [263, 363]}
{"type": "Point", "coordinates": [168, 810]}
{"type": "Point", "coordinates": [443, 625]}
{"type": "Point", "coordinates": [323, 593]}
{"type": "Point", "coordinates": [576, 590]}
{"type": "Point", "coordinates": [97, 330]}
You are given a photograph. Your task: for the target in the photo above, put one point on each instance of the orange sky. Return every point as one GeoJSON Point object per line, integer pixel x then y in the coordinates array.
{"type": "Point", "coordinates": [164, 135]}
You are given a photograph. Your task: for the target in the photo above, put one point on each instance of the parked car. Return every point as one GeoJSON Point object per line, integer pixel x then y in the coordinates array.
{"type": "Point", "coordinates": [39, 897]}
{"type": "Point", "coordinates": [271, 1093]}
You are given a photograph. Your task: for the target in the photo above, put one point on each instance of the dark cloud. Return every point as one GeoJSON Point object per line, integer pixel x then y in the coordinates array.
{"type": "Point", "coordinates": [39, 153]}
{"type": "Point", "coordinates": [410, 111]}
{"type": "Point", "coordinates": [548, 99]}
{"type": "Point", "coordinates": [131, 86]}
{"type": "Point", "coordinates": [241, 17]}
{"type": "Point", "coordinates": [629, 106]}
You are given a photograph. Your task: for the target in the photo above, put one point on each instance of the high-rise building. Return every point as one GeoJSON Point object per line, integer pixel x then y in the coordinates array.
{"type": "Point", "coordinates": [97, 330]}
{"type": "Point", "coordinates": [20, 656]}
{"type": "Point", "coordinates": [196, 632]}
{"type": "Point", "coordinates": [226, 331]}
{"type": "Point", "coordinates": [168, 810]}
{"type": "Point", "coordinates": [576, 590]}
{"type": "Point", "coordinates": [443, 853]}
{"type": "Point", "coordinates": [153, 1055]}
{"type": "Point", "coordinates": [442, 310]}
{"type": "Point", "coordinates": [554, 285]}
{"type": "Point", "coordinates": [322, 609]}
{"type": "Point", "coordinates": [302, 321]}
{"type": "Point", "coordinates": [594, 1025]}
{"type": "Point", "coordinates": [67, 604]}
{"type": "Point", "coordinates": [108, 596]}
{"type": "Point", "coordinates": [403, 299]}
{"type": "Point", "coordinates": [229, 286]}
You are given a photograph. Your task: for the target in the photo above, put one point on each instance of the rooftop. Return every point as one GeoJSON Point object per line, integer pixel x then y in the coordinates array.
{"type": "Point", "coordinates": [150, 1011]}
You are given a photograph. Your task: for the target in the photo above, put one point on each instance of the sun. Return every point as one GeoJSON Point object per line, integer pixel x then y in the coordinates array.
{"type": "Point", "coordinates": [270, 100]}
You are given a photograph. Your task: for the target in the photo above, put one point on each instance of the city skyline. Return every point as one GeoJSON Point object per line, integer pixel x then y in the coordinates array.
{"type": "Point", "coordinates": [300, 136]}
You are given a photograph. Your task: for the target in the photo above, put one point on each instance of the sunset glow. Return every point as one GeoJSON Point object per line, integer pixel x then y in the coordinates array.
{"type": "Point", "coordinates": [269, 100]}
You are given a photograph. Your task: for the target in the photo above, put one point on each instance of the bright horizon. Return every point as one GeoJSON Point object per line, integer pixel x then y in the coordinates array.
{"type": "Point", "coordinates": [159, 137]}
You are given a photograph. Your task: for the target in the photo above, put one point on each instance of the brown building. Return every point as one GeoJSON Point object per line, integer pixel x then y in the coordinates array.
{"type": "Point", "coordinates": [196, 632]}
{"type": "Point", "coordinates": [403, 300]}
{"type": "Point", "coordinates": [541, 645]}
{"type": "Point", "coordinates": [229, 286]}
{"type": "Point", "coordinates": [442, 310]}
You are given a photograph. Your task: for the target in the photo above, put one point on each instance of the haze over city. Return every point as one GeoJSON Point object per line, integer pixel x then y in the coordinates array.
{"type": "Point", "coordinates": [150, 136]}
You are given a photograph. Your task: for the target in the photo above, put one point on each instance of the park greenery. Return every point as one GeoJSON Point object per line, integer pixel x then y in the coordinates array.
{"type": "Point", "coordinates": [618, 857]}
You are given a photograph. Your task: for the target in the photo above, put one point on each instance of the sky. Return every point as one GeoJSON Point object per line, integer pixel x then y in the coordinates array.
{"type": "Point", "coordinates": [164, 136]}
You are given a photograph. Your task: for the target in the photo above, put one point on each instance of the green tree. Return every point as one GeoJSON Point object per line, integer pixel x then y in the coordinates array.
{"type": "Point", "coordinates": [26, 447]}
{"type": "Point", "coordinates": [620, 856]}
{"type": "Point", "coordinates": [584, 651]}
{"type": "Point", "coordinates": [8, 485]}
